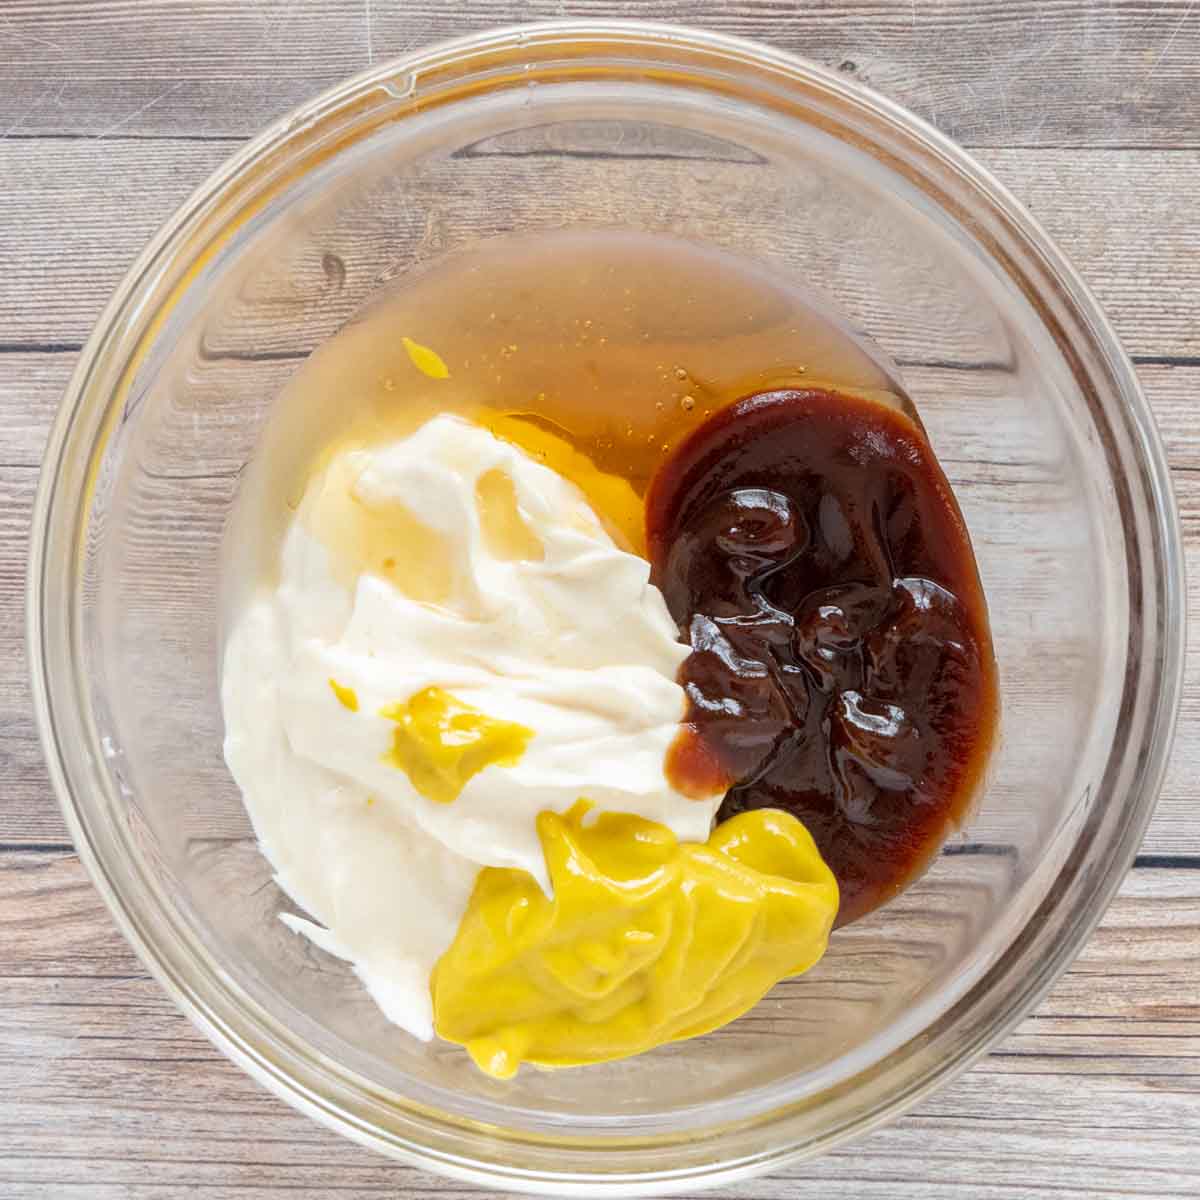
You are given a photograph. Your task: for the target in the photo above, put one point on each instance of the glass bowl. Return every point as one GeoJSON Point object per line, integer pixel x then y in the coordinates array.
{"type": "Point", "coordinates": [1030, 404]}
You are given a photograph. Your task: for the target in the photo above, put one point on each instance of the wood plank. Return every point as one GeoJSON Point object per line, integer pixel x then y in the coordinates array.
{"type": "Point", "coordinates": [1142, 261]}
{"type": "Point", "coordinates": [29, 386]}
{"type": "Point", "coordinates": [989, 72]}
{"type": "Point", "coordinates": [1122, 235]}
{"type": "Point", "coordinates": [69, 239]}
{"type": "Point", "coordinates": [110, 1092]}
{"type": "Point", "coordinates": [31, 813]}
{"type": "Point", "coordinates": [1173, 393]}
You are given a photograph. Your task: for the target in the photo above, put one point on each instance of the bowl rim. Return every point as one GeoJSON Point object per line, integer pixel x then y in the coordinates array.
{"type": "Point", "coordinates": [419, 1138]}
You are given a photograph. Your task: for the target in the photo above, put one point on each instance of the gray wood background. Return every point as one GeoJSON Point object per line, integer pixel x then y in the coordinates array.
{"type": "Point", "coordinates": [111, 111]}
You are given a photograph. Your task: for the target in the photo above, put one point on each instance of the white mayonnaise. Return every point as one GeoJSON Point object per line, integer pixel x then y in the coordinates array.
{"type": "Point", "coordinates": [448, 559]}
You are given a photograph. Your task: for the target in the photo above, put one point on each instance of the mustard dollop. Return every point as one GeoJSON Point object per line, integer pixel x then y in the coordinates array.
{"type": "Point", "coordinates": [645, 940]}
{"type": "Point", "coordinates": [440, 742]}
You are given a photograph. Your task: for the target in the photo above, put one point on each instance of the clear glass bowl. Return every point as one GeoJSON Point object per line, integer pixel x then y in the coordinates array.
{"type": "Point", "coordinates": [1029, 401]}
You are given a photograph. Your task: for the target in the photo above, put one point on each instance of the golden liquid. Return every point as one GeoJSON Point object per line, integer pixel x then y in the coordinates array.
{"type": "Point", "coordinates": [612, 344]}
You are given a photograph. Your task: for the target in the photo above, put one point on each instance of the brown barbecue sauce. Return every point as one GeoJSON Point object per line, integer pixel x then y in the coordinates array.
{"type": "Point", "coordinates": [810, 548]}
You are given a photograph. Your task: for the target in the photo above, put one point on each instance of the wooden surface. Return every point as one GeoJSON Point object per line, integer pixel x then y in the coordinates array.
{"type": "Point", "coordinates": [111, 112]}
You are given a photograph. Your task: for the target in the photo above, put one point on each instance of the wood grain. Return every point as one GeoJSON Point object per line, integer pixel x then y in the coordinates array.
{"type": "Point", "coordinates": [1050, 73]}
{"type": "Point", "coordinates": [111, 112]}
{"type": "Point", "coordinates": [1097, 1095]}
{"type": "Point", "coordinates": [1116, 215]}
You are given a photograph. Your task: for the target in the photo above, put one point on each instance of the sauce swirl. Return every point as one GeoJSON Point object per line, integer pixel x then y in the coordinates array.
{"type": "Point", "coordinates": [811, 550]}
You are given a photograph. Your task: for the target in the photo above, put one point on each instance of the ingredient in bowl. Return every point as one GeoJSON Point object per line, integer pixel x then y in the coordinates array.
{"type": "Point", "coordinates": [453, 646]}
{"type": "Point", "coordinates": [440, 743]}
{"type": "Point", "coordinates": [428, 362]}
{"type": "Point", "coordinates": [810, 547]}
{"type": "Point", "coordinates": [643, 940]}
{"type": "Point", "coordinates": [456, 647]}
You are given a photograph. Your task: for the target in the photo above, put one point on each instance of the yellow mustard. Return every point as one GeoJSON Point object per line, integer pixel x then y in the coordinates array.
{"type": "Point", "coordinates": [428, 362]}
{"type": "Point", "coordinates": [347, 696]}
{"type": "Point", "coordinates": [440, 742]}
{"type": "Point", "coordinates": [645, 941]}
